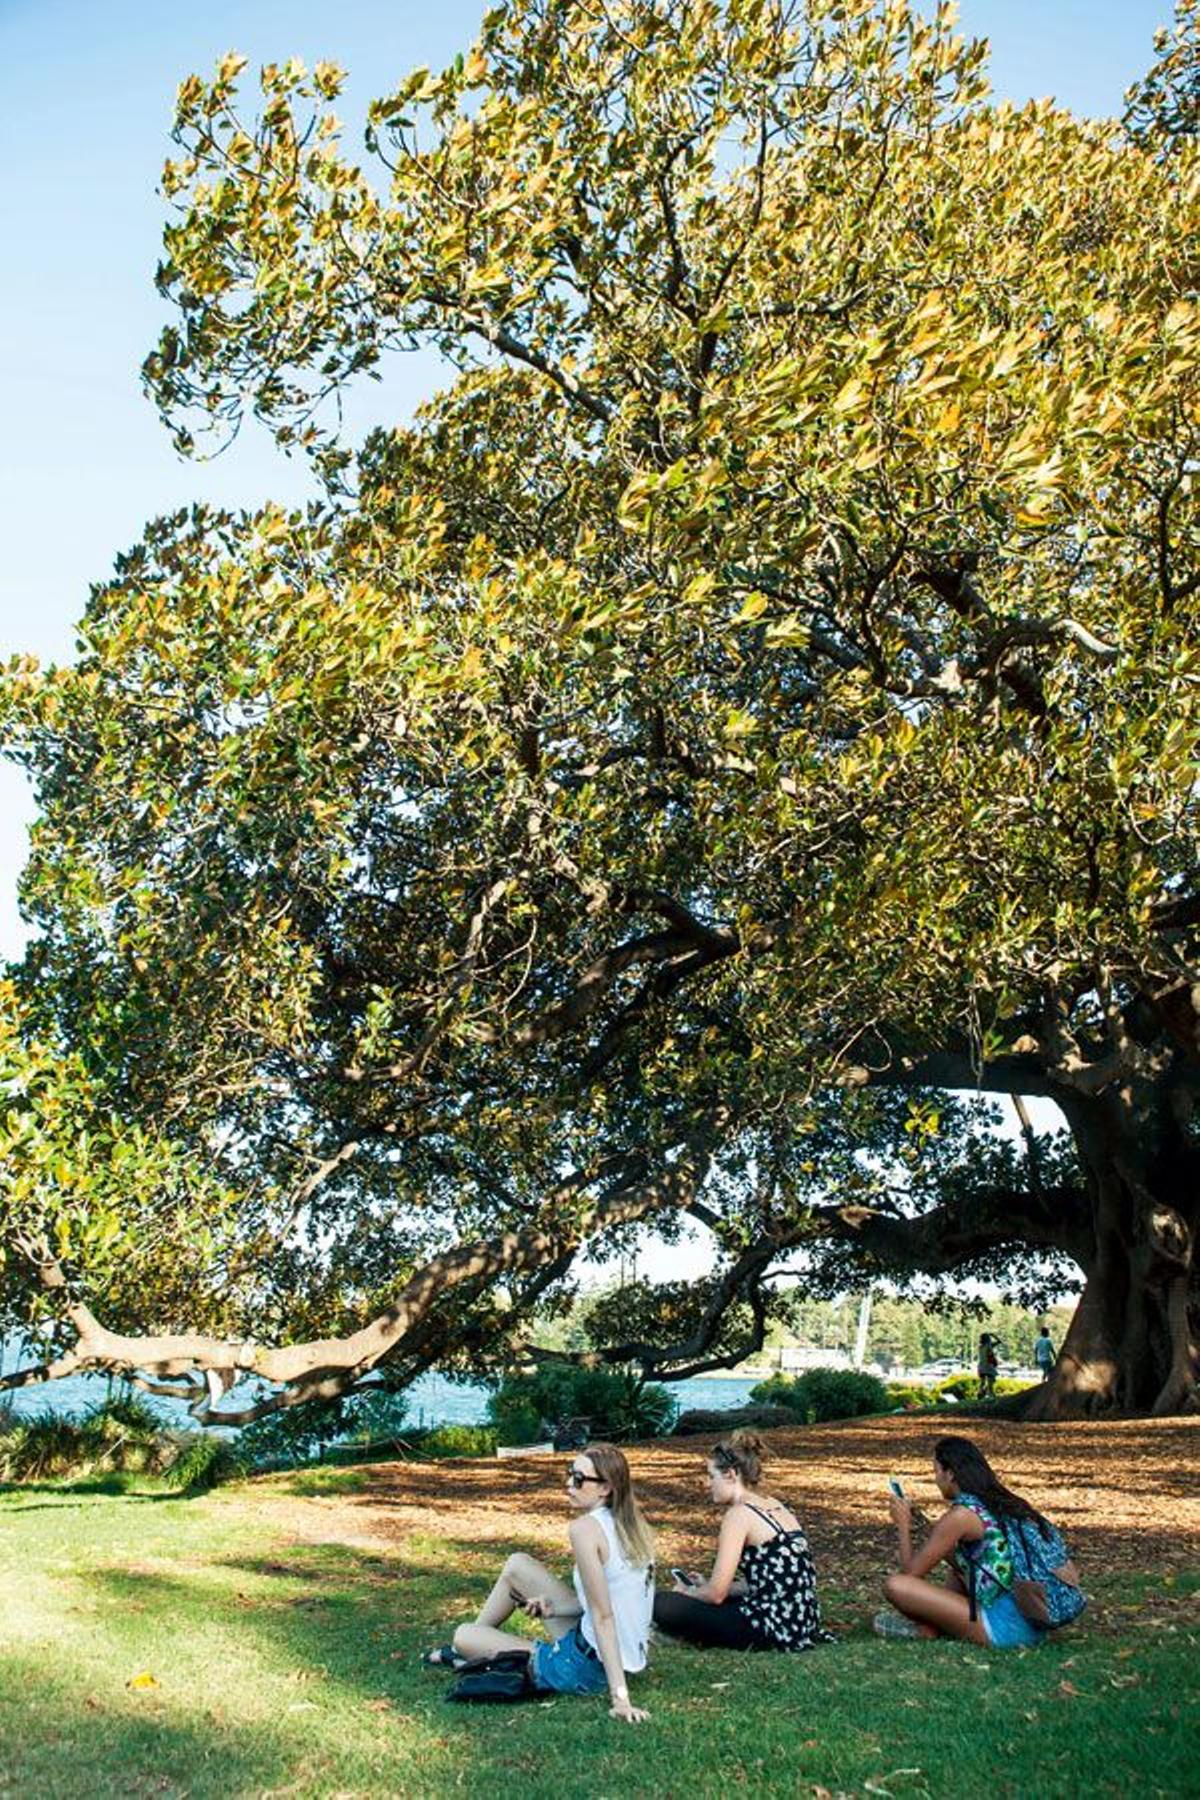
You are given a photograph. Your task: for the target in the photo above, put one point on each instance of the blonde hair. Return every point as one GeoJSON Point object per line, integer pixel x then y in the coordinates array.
{"type": "Point", "coordinates": [633, 1533]}
{"type": "Point", "coordinates": [741, 1453]}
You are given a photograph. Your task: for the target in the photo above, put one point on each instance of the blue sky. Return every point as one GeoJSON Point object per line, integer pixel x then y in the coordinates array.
{"type": "Point", "coordinates": [86, 90]}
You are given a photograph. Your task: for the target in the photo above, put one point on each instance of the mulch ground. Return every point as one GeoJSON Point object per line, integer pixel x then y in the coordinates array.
{"type": "Point", "coordinates": [1126, 1494]}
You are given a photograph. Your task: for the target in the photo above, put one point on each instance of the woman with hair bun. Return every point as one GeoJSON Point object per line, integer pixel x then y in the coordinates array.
{"type": "Point", "coordinates": [762, 1593]}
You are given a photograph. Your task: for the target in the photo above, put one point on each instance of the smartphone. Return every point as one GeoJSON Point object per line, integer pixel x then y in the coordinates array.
{"type": "Point", "coordinates": [686, 1577]}
{"type": "Point", "coordinates": [896, 1488]}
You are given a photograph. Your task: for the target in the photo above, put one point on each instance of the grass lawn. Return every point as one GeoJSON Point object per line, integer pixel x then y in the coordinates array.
{"type": "Point", "coordinates": [264, 1640]}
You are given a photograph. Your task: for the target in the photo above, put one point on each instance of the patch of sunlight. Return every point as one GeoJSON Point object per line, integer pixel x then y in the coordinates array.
{"type": "Point", "coordinates": [306, 1483]}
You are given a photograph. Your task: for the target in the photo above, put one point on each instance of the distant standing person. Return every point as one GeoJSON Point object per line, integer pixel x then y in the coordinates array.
{"type": "Point", "coordinates": [988, 1366]}
{"type": "Point", "coordinates": [1044, 1354]}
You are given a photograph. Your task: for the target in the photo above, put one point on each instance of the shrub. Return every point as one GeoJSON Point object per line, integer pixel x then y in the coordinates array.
{"type": "Point", "coordinates": [296, 1435]}
{"type": "Point", "coordinates": [130, 1413]}
{"type": "Point", "coordinates": [619, 1404]}
{"type": "Point", "coordinates": [965, 1388]}
{"type": "Point", "coordinates": [203, 1460]}
{"type": "Point", "coordinates": [38, 1446]}
{"type": "Point", "coordinates": [900, 1395]}
{"type": "Point", "coordinates": [119, 1434]}
{"type": "Point", "coordinates": [425, 1440]}
{"type": "Point", "coordinates": [1006, 1388]}
{"type": "Point", "coordinates": [821, 1394]}
{"type": "Point", "coordinates": [773, 1391]}
{"type": "Point", "coordinates": [303, 1434]}
{"type": "Point", "coordinates": [123, 1433]}
{"type": "Point", "coordinates": [454, 1440]}
{"type": "Point", "coordinates": [718, 1422]}
{"type": "Point", "coordinates": [375, 1416]}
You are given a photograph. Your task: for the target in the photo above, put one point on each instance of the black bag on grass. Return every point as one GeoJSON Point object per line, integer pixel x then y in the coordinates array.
{"type": "Point", "coordinates": [495, 1680]}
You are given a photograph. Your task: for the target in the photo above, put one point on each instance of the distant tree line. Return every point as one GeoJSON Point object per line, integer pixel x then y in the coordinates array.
{"type": "Point", "coordinates": [902, 1333]}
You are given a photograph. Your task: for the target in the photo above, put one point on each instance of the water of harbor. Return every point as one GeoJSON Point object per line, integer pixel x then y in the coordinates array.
{"type": "Point", "coordinates": [432, 1400]}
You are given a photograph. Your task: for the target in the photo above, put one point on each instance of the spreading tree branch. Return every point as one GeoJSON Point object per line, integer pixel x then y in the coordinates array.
{"type": "Point", "coordinates": [328, 1368]}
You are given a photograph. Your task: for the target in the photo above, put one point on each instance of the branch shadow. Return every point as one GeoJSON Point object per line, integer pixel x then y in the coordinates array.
{"type": "Point", "coordinates": [81, 1492]}
{"type": "Point", "coordinates": [78, 1505]}
{"type": "Point", "coordinates": [327, 1635]}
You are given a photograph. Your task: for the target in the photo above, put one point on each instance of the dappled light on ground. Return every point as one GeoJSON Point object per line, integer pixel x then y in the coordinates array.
{"type": "Point", "coordinates": [1126, 1494]}
{"type": "Point", "coordinates": [265, 1640]}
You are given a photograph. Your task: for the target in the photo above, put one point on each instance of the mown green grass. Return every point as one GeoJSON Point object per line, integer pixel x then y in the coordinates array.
{"type": "Point", "coordinates": [285, 1668]}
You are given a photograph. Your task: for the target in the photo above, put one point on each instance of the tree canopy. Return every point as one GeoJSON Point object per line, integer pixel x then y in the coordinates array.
{"type": "Point", "coordinates": [757, 695]}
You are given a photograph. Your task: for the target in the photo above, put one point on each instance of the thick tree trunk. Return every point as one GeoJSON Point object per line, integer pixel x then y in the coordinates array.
{"type": "Point", "coordinates": [1131, 1348]}
{"type": "Point", "coordinates": [1134, 1343]}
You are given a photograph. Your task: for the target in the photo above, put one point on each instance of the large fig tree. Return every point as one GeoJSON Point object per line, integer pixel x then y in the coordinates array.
{"type": "Point", "coordinates": [757, 696]}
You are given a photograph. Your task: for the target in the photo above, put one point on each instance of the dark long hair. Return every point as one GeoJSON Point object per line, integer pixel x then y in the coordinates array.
{"type": "Point", "coordinates": [975, 1475]}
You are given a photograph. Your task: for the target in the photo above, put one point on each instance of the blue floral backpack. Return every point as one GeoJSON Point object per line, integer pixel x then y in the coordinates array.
{"type": "Point", "coordinates": [1013, 1557]}
{"type": "Point", "coordinates": [1038, 1589]}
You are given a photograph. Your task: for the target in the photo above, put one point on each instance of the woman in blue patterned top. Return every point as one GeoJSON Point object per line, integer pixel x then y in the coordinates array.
{"type": "Point", "coordinates": [971, 1538]}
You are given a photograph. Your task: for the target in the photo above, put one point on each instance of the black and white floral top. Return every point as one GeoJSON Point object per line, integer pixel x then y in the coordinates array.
{"type": "Point", "coordinates": [780, 1600]}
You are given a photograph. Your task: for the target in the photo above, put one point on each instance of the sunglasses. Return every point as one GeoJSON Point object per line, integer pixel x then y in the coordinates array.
{"type": "Point", "coordinates": [576, 1478]}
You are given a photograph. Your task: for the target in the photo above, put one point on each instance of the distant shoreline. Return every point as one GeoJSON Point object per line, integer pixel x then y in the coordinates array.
{"type": "Point", "coordinates": [739, 1374]}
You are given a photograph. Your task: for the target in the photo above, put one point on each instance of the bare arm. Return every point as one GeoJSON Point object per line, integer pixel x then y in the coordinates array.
{"type": "Point", "coordinates": [939, 1546]}
{"type": "Point", "coordinates": [587, 1541]}
{"type": "Point", "coordinates": [553, 1606]}
{"type": "Point", "coordinates": [730, 1544]}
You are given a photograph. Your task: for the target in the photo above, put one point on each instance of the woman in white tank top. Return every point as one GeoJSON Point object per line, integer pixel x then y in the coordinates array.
{"type": "Point", "coordinates": [598, 1633]}
{"type": "Point", "coordinates": [630, 1594]}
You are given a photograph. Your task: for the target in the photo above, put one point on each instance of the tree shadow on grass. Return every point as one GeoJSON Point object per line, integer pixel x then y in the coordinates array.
{"type": "Point", "coordinates": [80, 1491]}
{"type": "Point", "coordinates": [319, 1689]}
{"type": "Point", "coordinates": [68, 1743]}
{"type": "Point", "coordinates": [74, 1505]}
{"type": "Point", "coordinates": [333, 1634]}
{"type": "Point", "coordinates": [341, 1630]}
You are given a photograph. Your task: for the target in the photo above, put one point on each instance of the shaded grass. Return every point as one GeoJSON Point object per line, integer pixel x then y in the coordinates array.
{"type": "Point", "coordinates": [293, 1667]}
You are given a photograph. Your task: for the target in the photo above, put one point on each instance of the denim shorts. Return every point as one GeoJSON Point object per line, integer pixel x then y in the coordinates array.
{"type": "Point", "coordinates": [568, 1666]}
{"type": "Point", "coordinates": [1007, 1627]}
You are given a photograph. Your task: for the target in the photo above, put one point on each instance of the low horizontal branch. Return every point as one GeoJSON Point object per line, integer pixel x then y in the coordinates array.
{"type": "Point", "coordinates": [330, 1367]}
{"type": "Point", "coordinates": [965, 1227]}
{"type": "Point", "coordinates": [1020, 1073]}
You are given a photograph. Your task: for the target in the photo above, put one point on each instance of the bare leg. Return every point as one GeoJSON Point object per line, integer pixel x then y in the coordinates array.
{"type": "Point", "coordinates": [937, 1610]}
{"type": "Point", "coordinates": [521, 1578]}
{"type": "Point", "coordinates": [488, 1640]}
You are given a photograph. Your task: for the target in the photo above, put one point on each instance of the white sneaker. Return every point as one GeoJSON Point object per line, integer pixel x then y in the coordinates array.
{"type": "Point", "coordinates": [895, 1625]}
